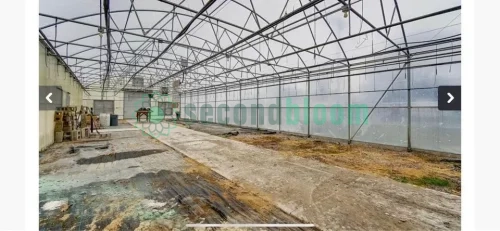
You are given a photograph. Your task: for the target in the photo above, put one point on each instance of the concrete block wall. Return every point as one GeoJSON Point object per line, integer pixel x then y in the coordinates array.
{"type": "Point", "coordinates": [53, 74]}
{"type": "Point", "coordinates": [88, 100]}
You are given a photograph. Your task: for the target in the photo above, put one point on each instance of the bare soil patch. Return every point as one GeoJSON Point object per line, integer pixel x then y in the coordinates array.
{"type": "Point", "coordinates": [418, 168]}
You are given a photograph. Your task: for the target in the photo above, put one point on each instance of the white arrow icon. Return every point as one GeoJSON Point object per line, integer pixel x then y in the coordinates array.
{"type": "Point", "coordinates": [48, 97]}
{"type": "Point", "coordinates": [451, 97]}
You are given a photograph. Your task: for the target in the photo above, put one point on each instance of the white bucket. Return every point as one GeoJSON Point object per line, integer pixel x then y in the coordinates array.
{"type": "Point", "coordinates": [105, 120]}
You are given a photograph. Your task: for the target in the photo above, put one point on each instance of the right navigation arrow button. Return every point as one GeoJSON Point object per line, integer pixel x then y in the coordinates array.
{"type": "Point", "coordinates": [451, 97]}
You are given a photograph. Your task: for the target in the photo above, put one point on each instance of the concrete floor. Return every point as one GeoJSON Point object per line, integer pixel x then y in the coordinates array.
{"type": "Point", "coordinates": [134, 182]}
{"type": "Point", "coordinates": [332, 198]}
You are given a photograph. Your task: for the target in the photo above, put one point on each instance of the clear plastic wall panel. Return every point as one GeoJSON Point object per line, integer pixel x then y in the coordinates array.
{"type": "Point", "coordinates": [379, 81]}
{"type": "Point", "coordinates": [329, 100]}
{"type": "Point", "coordinates": [212, 103]}
{"type": "Point", "coordinates": [271, 118]}
{"type": "Point", "coordinates": [329, 122]}
{"type": "Point", "coordinates": [193, 99]}
{"type": "Point", "coordinates": [233, 95]}
{"type": "Point", "coordinates": [384, 126]}
{"type": "Point", "coordinates": [436, 130]}
{"type": "Point", "coordinates": [436, 76]}
{"type": "Point", "coordinates": [190, 112]}
{"type": "Point", "coordinates": [269, 102]}
{"type": "Point", "coordinates": [397, 98]}
{"type": "Point", "coordinates": [232, 103]}
{"type": "Point", "coordinates": [294, 89]}
{"type": "Point", "coordinates": [198, 110]}
{"type": "Point", "coordinates": [384, 79]}
{"type": "Point", "coordinates": [221, 95]}
{"type": "Point", "coordinates": [214, 106]}
{"type": "Point", "coordinates": [266, 92]}
{"type": "Point", "coordinates": [320, 87]}
{"type": "Point", "coordinates": [183, 99]}
{"type": "Point", "coordinates": [248, 117]}
{"type": "Point", "coordinates": [189, 109]}
{"type": "Point", "coordinates": [424, 97]}
{"type": "Point", "coordinates": [198, 100]}
{"type": "Point", "coordinates": [360, 83]}
{"type": "Point", "coordinates": [326, 86]}
{"type": "Point", "coordinates": [231, 116]}
{"type": "Point", "coordinates": [249, 94]}
{"type": "Point", "coordinates": [201, 97]}
{"type": "Point", "coordinates": [220, 111]}
{"type": "Point", "coordinates": [249, 102]}
{"type": "Point", "coordinates": [207, 113]}
{"type": "Point", "coordinates": [297, 101]}
{"type": "Point", "coordinates": [211, 97]}
{"type": "Point", "coordinates": [273, 91]}
{"type": "Point", "coordinates": [184, 114]}
{"type": "Point", "coordinates": [292, 120]}
{"type": "Point", "coordinates": [184, 105]}
{"type": "Point", "coordinates": [236, 115]}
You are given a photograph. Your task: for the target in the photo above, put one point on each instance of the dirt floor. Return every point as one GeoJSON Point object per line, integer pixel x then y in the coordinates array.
{"type": "Point", "coordinates": [326, 195]}
{"type": "Point", "coordinates": [438, 172]}
{"type": "Point", "coordinates": [131, 181]}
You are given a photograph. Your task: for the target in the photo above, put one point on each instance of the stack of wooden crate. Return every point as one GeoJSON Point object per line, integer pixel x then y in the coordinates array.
{"type": "Point", "coordinates": [58, 126]}
{"type": "Point", "coordinates": [71, 124]}
{"type": "Point", "coordinates": [84, 117]}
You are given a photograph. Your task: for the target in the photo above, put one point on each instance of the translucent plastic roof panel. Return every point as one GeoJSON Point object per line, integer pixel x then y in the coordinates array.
{"type": "Point", "coordinates": [223, 42]}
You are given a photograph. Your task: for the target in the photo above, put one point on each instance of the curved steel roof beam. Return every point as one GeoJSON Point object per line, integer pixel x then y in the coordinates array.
{"type": "Point", "coordinates": [83, 59]}
{"type": "Point", "coordinates": [239, 27]}
{"type": "Point", "coordinates": [119, 63]}
{"type": "Point", "coordinates": [123, 51]}
{"type": "Point", "coordinates": [189, 46]}
{"type": "Point", "coordinates": [70, 20]}
{"type": "Point", "coordinates": [333, 32]}
{"type": "Point", "coordinates": [220, 48]}
{"type": "Point", "coordinates": [371, 25]}
{"type": "Point", "coordinates": [296, 21]}
{"type": "Point", "coordinates": [179, 44]}
{"type": "Point", "coordinates": [369, 31]}
{"type": "Point", "coordinates": [280, 34]}
{"type": "Point", "coordinates": [177, 37]}
{"type": "Point", "coordinates": [61, 20]}
{"type": "Point", "coordinates": [308, 5]}
{"type": "Point", "coordinates": [243, 28]}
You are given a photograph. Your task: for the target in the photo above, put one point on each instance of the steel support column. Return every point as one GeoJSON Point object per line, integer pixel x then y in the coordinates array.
{"type": "Point", "coordinates": [206, 102]}
{"type": "Point", "coordinates": [279, 104]}
{"type": "Point", "coordinates": [240, 103]}
{"type": "Point", "coordinates": [108, 39]}
{"type": "Point", "coordinates": [308, 104]}
{"type": "Point", "coordinates": [190, 102]}
{"type": "Point", "coordinates": [226, 108]}
{"type": "Point", "coordinates": [198, 111]}
{"type": "Point", "coordinates": [408, 84]}
{"type": "Point", "coordinates": [257, 104]}
{"type": "Point", "coordinates": [215, 99]}
{"type": "Point", "coordinates": [349, 104]}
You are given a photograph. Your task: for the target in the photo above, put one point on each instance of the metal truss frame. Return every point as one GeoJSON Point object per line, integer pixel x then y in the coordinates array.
{"type": "Point", "coordinates": [153, 52]}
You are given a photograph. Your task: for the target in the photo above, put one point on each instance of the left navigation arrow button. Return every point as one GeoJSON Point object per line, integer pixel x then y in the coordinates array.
{"type": "Point", "coordinates": [48, 97]}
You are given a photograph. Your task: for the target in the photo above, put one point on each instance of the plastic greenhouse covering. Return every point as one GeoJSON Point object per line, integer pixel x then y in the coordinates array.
{"type": "Point", "coordinates": [355, 70]}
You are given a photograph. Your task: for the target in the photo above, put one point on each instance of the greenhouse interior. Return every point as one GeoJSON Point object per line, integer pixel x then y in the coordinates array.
{"type": "Point", "coordinates": [250, 114]}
